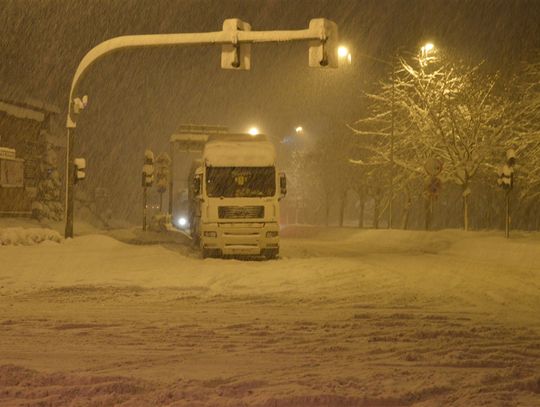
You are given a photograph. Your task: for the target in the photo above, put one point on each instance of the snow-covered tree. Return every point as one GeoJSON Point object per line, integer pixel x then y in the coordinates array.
{"type": "Point", "coordinates": [444, 109]}
{"type": "Point", "coordinates": [329, 164]}
{"type": "Point", "coordinates": [47, 203]}
{"type": "Point", "coordinates": [525, 131]}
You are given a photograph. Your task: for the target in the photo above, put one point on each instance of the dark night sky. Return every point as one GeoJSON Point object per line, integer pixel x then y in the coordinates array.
{"type": "Point", "coordinates": [139, 97]}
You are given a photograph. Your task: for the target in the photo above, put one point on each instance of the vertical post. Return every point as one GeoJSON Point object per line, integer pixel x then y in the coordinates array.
{"type": "Point", "coordinates": [507, 215]}
{"type": "Point", "coordinates": [144, 208]}
{"type": "Point", "coordinates": [428, 214]}
{"type": "Point", "coordinates": [69, 184]}
{"type": "Point", "coordinates": [171, 178]}
{"type": "Point", "coordinates": [431, 199]}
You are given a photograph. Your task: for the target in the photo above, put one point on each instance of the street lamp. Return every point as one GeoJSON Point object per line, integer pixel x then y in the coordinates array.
{"type": "Point", "coordinates": [299, 130]}
{"type": "Point", "coordinates": [344, 53]}
{"type": "Point", "coordinates": [253, 131]}
{"type": "Point", "coordinates": [425, 50]}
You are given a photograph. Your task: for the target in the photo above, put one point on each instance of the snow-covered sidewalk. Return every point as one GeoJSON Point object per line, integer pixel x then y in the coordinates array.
{"type": "Point", "coordinates": [346, 317]}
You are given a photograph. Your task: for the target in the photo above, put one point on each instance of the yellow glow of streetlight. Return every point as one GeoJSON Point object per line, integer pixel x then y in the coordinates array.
{"type": "Point", "coordinates": [428, 47]}
{"type": "Point", "coordinates": [343, 51]}
{"type": "Point", "coordinates": [299, 129]}
{"type": "Point", "coordinates": [253, 131]}
{"type": "Point", "coordinates": [424, 53]}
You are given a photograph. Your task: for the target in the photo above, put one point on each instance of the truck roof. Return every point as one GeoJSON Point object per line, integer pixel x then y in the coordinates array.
{"type": "Point", "coordinates": [239, 150]}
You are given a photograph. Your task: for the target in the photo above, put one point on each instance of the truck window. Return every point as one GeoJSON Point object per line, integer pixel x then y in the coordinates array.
{"type": "Point", "coordinates": [246, 182]}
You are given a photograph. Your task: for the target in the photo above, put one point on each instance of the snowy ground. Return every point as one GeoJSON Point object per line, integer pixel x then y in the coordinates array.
{"type": "Point", "coordinates": [345, 318]}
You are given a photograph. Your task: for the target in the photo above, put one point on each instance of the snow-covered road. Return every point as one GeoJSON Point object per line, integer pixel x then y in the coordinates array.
{"type": "Point", "coordinates": [345, 318]}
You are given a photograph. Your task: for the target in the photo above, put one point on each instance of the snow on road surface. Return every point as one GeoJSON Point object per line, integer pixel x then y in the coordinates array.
{"type": "Point", "coordinates": [345, 318]}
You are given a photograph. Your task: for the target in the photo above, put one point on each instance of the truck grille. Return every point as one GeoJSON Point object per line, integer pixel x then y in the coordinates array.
{"type": "Point", "coordinates": [241, 212]}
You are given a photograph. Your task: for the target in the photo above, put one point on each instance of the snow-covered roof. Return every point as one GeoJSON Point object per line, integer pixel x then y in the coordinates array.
{"type": "Point", "coordinates": [21, 112]}
{"type": "Point", "coordinates": [189, 137]}
{"type": "Point", "coordinates": [189, 142]}
{"type": "Point", "coordinates": [20, 103]}
{"type": "Point", "coordinates": [236, 152]}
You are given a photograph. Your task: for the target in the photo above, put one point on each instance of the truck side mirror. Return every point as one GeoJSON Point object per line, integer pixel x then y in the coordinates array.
{"type": "Point", "coordinates": [282, 184]}
{"type": "Point", "coordinates": [197, 185]}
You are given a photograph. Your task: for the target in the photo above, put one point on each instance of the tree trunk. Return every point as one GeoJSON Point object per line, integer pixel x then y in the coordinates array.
{"type": "Point", "coordinates": [327, 209]}
{"type": "Point", "coordinates": [160, 201]}
{"type": "Point", "coordinates": [342, 208]}
{"type": "Point", "coordinates": [361, 207]}
{"type": "Point", "coordinates": [429, 211]}
{"type": "Point", "coordinates": [376, 209]}
{"type": "Point", "coordinates": [466, 212]}
{"type": "Point", "coordinates": [406, 212]}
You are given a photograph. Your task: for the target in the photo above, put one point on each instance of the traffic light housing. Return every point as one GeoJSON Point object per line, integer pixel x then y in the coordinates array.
{"type": "Point", "coordinates": [506, 173]}
{"type": "Point", "coordinates": [148, 169]}
{"type": "Point", "coordinates": [79, 165]}
{"type": "Point", "coordinates": [323, 53]}
{"type": "Point", "coordinates": [236, 55]}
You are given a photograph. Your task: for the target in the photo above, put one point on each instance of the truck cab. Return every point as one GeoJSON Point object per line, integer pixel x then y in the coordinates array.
{"type": "Point", "coordinates": [234, 197]}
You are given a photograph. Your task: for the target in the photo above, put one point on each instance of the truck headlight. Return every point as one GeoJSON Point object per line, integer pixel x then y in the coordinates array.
{"type": "Point", "coordinates": [210, 234]}
{"type": "Point", "coordinates": [182, 222]}
{"type": "Point", "coordinates": [272, 234]}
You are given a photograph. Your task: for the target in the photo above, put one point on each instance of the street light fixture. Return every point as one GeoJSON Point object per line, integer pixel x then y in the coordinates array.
{"type": "Point", "coordinates": [253, 131]}
{"type": "Point", "coordinates": [344, 53]}
{"type": "Point", "coordinates": [299, 130]}
{"type": "Point", "coordinates": [425, 50]}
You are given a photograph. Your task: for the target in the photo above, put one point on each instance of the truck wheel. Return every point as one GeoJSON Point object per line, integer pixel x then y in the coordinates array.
{"type": "Point", "coordinates": [271, 254]}
{"type": "Point", "coordinates": [211, 253]}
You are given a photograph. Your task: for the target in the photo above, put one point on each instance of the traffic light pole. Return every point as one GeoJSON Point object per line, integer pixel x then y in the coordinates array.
{"type": "Point", "coordinates": [171, 182]}
{"type": "Point", "coordinates": [507, 215]}
{"type": "Point", "coordinates": [70, 182]}
{"type": "Point", "coordinates": [144, 209]}
{"type": "Point", "coordinates": [322, 35]}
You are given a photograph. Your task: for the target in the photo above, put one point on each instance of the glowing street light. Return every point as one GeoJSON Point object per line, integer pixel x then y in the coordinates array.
{"type": "Point", "coordinates": [253, 131]}
{"type": "Point", "coordinates": [424, 52]}
{"type": "Point", "coordinates": [299, 130]}
{"type": "Point", "coordinates": [343, 53]}
{"type": "Point", "coordinates": [428, 47]}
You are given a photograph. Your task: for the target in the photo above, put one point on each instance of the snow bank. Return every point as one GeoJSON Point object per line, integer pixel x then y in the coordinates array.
{"type": "Point", "coordinates": [26, 237]}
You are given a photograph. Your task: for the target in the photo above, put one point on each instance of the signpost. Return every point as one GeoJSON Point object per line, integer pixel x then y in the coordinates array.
{"type": "Point", "coordinates": [506, 182]}
{"type": "Point", "coordinates": [235, 38]}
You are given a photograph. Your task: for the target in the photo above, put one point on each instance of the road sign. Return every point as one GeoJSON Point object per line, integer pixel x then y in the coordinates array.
{"type": "Point", "coordinates": [434, 186]}
{"type": "Point", "coordinates": [433, 166]}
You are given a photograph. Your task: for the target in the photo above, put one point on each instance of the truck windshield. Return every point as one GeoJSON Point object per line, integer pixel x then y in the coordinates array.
{"type": "Point", "coordinates": [240, 181]}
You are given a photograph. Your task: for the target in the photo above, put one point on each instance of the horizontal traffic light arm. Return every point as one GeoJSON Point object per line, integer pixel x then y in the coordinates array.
{"type": "Point", "coordinates": [318, 30]}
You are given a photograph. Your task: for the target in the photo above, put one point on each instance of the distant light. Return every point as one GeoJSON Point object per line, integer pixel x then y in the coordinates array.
{"type": "Point", "coordinates": [343, 51]}
{"type": "Point", "coordinates": [254, 131]}
{"type": "Point", "coordinates": [428, 47]}
{"type": "Point", "coordinates": [182, 222]}
{"type": "Point", "coordinates": [299, 130]}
